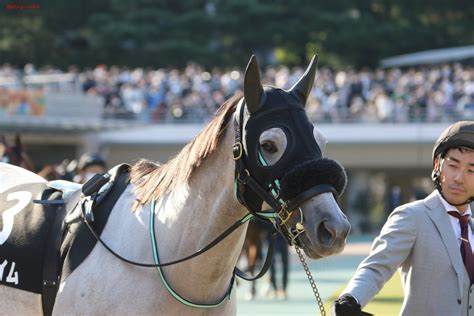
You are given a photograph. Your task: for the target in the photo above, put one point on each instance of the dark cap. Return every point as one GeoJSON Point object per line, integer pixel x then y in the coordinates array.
{"type": "Point", "coordinates": [89, 159]}
{"type": "Point", "coordinates": [459, 134]}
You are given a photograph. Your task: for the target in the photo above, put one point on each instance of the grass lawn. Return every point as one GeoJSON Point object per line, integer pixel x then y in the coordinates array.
{"type": "Point", "coordinates": [387, 303]}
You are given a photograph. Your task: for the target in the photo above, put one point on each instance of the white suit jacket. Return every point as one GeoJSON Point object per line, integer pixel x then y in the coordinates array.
{"type": "Point", "coordinates": [419, 239]}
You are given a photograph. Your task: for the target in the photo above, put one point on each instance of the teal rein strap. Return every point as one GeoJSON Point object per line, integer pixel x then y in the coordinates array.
{"type": "Point", "coordinates": [172, 292]}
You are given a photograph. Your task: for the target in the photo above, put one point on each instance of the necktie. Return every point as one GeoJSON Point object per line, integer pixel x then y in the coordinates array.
{"type": "Point", "coordinates": [466, 251]}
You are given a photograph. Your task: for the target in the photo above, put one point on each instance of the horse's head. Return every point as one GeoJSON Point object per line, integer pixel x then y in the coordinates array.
{"type": "Point", "coordinates": [279, 160]}
{"type": "Point", "coordinates": [14, 154]}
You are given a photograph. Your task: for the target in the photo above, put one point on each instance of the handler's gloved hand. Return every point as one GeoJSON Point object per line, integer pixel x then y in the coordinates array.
{"type": "Point", "coordinates": [346, 305]}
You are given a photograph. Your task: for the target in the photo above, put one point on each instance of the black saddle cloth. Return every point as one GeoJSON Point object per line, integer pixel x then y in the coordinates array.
{"type": "Point", "coordinates": [41, 247]}
{"type": "Point", "coordinates": [21, 253]}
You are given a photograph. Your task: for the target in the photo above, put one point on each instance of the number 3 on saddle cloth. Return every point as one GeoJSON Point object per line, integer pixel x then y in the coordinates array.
{"type": "Point", "coordinates": [37, 247]}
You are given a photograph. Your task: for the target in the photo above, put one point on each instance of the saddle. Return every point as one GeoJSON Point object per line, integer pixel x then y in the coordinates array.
{"type": "Point", "coordinates": [51, 238]}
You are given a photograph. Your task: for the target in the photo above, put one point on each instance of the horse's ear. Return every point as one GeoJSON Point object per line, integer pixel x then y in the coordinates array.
{"type": "Point", "coordinates": [302, 88]}
{"type": "Point", "coordinates": [253, 90]}
{"type": "Point", "coordinates": [18, 141]}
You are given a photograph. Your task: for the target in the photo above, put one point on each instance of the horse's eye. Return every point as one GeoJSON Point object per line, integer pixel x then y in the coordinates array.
{"type": "Point", "coordinates": [269, 147]}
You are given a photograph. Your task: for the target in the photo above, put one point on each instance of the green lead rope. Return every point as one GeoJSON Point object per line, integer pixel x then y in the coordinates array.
{"type": "Point", "coordinates": [172, 292]}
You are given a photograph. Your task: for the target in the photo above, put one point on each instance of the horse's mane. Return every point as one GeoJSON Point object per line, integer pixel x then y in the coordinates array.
{"type": "Point", "coordinates": [152, 180]}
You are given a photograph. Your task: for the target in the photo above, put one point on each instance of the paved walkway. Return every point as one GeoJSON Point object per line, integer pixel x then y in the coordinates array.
{"type": "Point", "coordinates": [331, 274]}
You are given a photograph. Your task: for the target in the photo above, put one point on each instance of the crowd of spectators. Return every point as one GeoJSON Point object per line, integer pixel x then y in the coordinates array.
{"type": "Point", "coordinates": [429, 94]}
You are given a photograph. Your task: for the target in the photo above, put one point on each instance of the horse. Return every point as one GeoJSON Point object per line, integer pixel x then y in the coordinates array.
{"type": "Point", "coordinates": [15, 154]}
{"type": "Point", "coordinates": [259, 147]}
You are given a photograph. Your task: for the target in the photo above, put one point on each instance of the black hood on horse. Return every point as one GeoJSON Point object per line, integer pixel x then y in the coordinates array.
{"type": "Point", "coordinates": [302, 165]}
{"type": "Point", "coordinates": [284, 108]}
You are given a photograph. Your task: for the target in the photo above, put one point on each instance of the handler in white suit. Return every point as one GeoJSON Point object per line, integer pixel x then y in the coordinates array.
{"type": "Point", "coordinates": [425, 240]}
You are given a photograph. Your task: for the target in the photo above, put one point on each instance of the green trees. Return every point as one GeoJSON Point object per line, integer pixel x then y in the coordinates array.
{"type": "Point", "coordinates": [169, 33]}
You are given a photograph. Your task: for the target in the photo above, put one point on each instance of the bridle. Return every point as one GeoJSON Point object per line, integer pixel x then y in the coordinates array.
{"type": "Point", "coordinates": [283, 210]}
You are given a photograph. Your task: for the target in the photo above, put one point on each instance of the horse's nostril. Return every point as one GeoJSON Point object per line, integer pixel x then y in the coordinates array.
{"type": "Point", "coordinates": [324, 235]}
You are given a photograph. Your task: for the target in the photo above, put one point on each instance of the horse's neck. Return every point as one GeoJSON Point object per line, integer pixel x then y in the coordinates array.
{"type": "Point", "coordinates": [191, 217]}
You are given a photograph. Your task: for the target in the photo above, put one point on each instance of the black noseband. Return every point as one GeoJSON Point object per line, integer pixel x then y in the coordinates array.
{"type": "Point", "coordinates": [312, 173]}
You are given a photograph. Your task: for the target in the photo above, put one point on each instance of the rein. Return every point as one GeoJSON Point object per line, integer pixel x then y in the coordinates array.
{"type": "Point", "coordinates": [163, 279]}
{"type": "Point", "coordinates": [209, 246]}
{"type": "Point", "coordinates": [235, 272]}
{"type": "Point", "coordinates": [213, 243]}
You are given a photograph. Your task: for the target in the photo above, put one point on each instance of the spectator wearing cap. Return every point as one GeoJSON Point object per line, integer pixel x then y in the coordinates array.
{"type": "Point", "coordinates": [89, 164]}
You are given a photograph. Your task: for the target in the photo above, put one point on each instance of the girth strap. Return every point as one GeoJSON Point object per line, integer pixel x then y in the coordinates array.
{"type": "Point", "coordinates": [51, 265]}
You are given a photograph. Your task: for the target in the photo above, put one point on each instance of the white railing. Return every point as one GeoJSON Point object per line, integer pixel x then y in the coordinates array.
{"type": "Point", "coordinates": [50, 78]}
